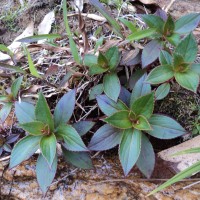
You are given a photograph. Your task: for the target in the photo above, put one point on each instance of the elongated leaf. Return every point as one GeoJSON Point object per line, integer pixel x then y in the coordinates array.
{"type": "Point", "coordinates": [72, 44]}
{"type": "Point", "coordinates": [195, 67]}
{"type": "Point", "coordinates": [169, 26]}
{"type": "Point", "coordinates": [34, 128]}
{"type": "Point", "coordinates": [146, 160]}
{"type": "Point", "coordinates": [142, 123]}
{"type": "Point", "coordinates": [32, 68]}
{"type": "Point", "coordinates": [82, 127]}
{"type": "Point", "coordinates": [91, 62]}
{"type": "Point", "coordinates": [78, 159]}
{"type": "Point", "coordinates": [24, 149]}
{"type": "Point", "coordinates": [135, 77]}
{"type": "Point", "coordinates": [107, 15]}
{"type": "Point", "coordinates": [188, 48]}
{"type": "Point", "coordinates": [48, 148]}
{"type": "Point", "coordinates": [106, 137]}
{"type": "Point", "coordinates": [16, 86]}
{"type": "Point", "coordinates": [96, 90]}
{"type": "Point", "coordinates": [5, 111]}
{"type": "Point", "coordinates": [43, 113]}
{"type": "Point", "coordinates": [141, 88]}
{"type": "Point", "coordinates": [45, 174]}
{"type": "Point", "coordinates": [64, 108]}
{"type": "Point", "coordinates": [151, 52]}
{"type": "Point", "coordinates": [5, 49]}
{"type": "Point", "coordinates": [111, 85]}
{"type": "Point", "coordinates": [174, 39]}
{"type": "Point", "coordinates": [119, 120]}
{"type": "Point", "coordinates": [165, 58]}
{"type": "Point", "coordinates": [162, 91]}
{"type": "Point", "coordinates": [184, 174]}
{"type": "Point", "coordinates": [187, 23]}
{"type": "Point", "coordinates": [108, 106]}
{"type": "Point", "coordinates": [164, 127]}
{"type": "Point", "coordinates": [125, 96]}
{"type": "Point", "coordinates": [154, 21]}
{"type": "Point", "coordinates": [160, 75]}
{"type": "Point", "coordinates": [5, 66]}
{"type": "Point", "coordinates": [141, 34]}
{"type": "Point", "coordinates": [129, 24]}
{"type": "Point", "coordinates": [113, 57]}
{"type": "Point", "coordinates": [143, 105]}
{"type": "Point", "coordinates": [72, 139]}
{"type": "Point", "coordinates": [130, 148]}
{"type": "Point", "coordinates": [187, 151]}
{"type": "Point", "coordinates": [25, 112]}
{"type": "Point", "coordinates": [188, 80]}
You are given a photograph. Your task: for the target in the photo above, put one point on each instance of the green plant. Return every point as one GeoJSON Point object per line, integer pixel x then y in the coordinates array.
{"type": "Point", "coordinates": [126, 123]}
{"type": "Point", "coordinates": [179, 66]}
{"type": "Point", "coordinates": [163, 30]}
{"type": "Point", "coordinates": [106, 63]}
{"type": "Point", "coordinates": [44, 132]}
{"type": "Point", "coordinates": [9, 98]}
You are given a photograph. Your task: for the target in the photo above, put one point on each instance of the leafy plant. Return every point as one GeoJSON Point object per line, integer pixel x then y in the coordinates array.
{"type": "Point", "coordinates": [9, 98]}
{"type": "Point", "coordinates": [127, 121]}
{"type": "Point", "coordinates": [179, 66]}
{"type": "Point", "coordinates": [163, 31]}
{"type": "Point", "coordinates": [106, 63]}
{"type": "Point", "coordinates": [44, 133]}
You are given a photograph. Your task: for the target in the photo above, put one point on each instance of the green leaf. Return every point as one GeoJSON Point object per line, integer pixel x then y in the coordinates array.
{"type": "Point", "coordinates": [78, 159]}
{"type": "Point", "coordinates": [64, 108]}
{"type": "Point", "coordinates": [135, 77]}
{"type": "Point", "coordinates": [164, 127]}
{"type": "Point", "coordinates": [82, 127]}
{"type": "Point", "coordinates": [162, 91]}
{"type": "Point", "coordinates": [72, 139]}
{"type": "Point", "coordinates": [72, 44]}
{"type": "Point", "coordinates": [129, 24]}
{"type": "Point", "coordinates": [195, 67]}
{"type": "Point", "coordinates": [188, 80]}
{"type": "Point", "coordinates": [102, 61]}
{"type": "Point", "coordinates": [187, 23]}
{"type": "Point", "coordinates": [160, 74]}
{"type": "Point", "coordinates": [151, 52]}
{"type": "Point", "coordinates": [119, 120]}
{"type": "Point", "coordinates": [25, 112]}
{"type": "Point", "coordinates": [154, 21]}
{"type": "Point", "coordinates": [178, 61]}
{"type": "Point", "coordinates": [184, 174]}
{"type": "Point", "coordinates": [92, 62]}
{"type": "Point", "coordinates": [169, 26]}
{"type": "Point", "coordinates": [146, 160]}
{"type": "Point", "coordinates": [108, 106]}
{"type": "Point", "coordinates": [5, 111]}
{"type": "Point", "coordinates": [165, 58]}
{"type": "Point", "coordinates": [6, 67]}
{"type": "Point", "coordinates": [143, 105]}
{"type": "Point", "coordinates": [107, 15]}
{"type": "Point", "coordinates": [141, 34]}
{"type": "Point", "coordinates": [24, 149]}
{"type": "Point", "coordinates": [99, 43]}
{"type": "Point", "coordinates": [43, 113]}
{"type": "Point", "coordinates": [142, 123]}
{"type": "Point", "coordinates": [129, 149]}
{"type": "Point", "coordinates": [5, 49]}
{"type": "Point", "coordinates": [16, 86]}
{"type": "Point", "coordinates": [32, 68]}
{"type": "Point", "coordinates": [36, 38]}
{"type": "Point", "coordinates": [45, 174]}
{"type": "Point", "coordinates": [112, 86]}
{"type": "Point", "coordinates": [187, 151]}
{"type": "Point", "coordinates": [106, 137]}
{"type": "Point", "coordinates": [188, 48]}
{"type": "Point", "coordinates": [34, 128]}
{"type": "Point", "coordinates": [96, 90]}
{"type": "Point", "coordinates": [174, 39]}
{"type": "Point", "coordinates": [141, 88]}
{"type": "Point", "coordinates": [113, 56]}
{"type": "Point", "coordinates": [48, 148]}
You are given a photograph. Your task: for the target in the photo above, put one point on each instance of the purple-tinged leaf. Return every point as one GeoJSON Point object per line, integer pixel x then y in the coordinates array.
{"type": "Point", "coordinates": [164, 127]}
{"type": "Point", "coordinates": [82, 127]}
{"type": "Point", "coordinates": [146, 160]}
{"type": "Point", "coordinates": [129, 149]}
{"type": "Point", "coordinates": [135, 77]}
{"type": "Point", "coordinates": [12, 138]}
{"type": "Point", "coordinates": [96, 90]}
{"type": "Point", "coordinates": [5, 111]}
{"type": "Point", "coordinates": [125, 95]}
{"type": "Point", "coordinates": [161, 13]}
{"type": "Point", "coordinates": [105, 138]}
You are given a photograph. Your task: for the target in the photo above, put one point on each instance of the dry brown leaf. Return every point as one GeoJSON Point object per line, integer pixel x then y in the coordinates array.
{"type": "Point", "coordinates": [53, 69]}
{"type": "Point", "coordinates": [108, 44]}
